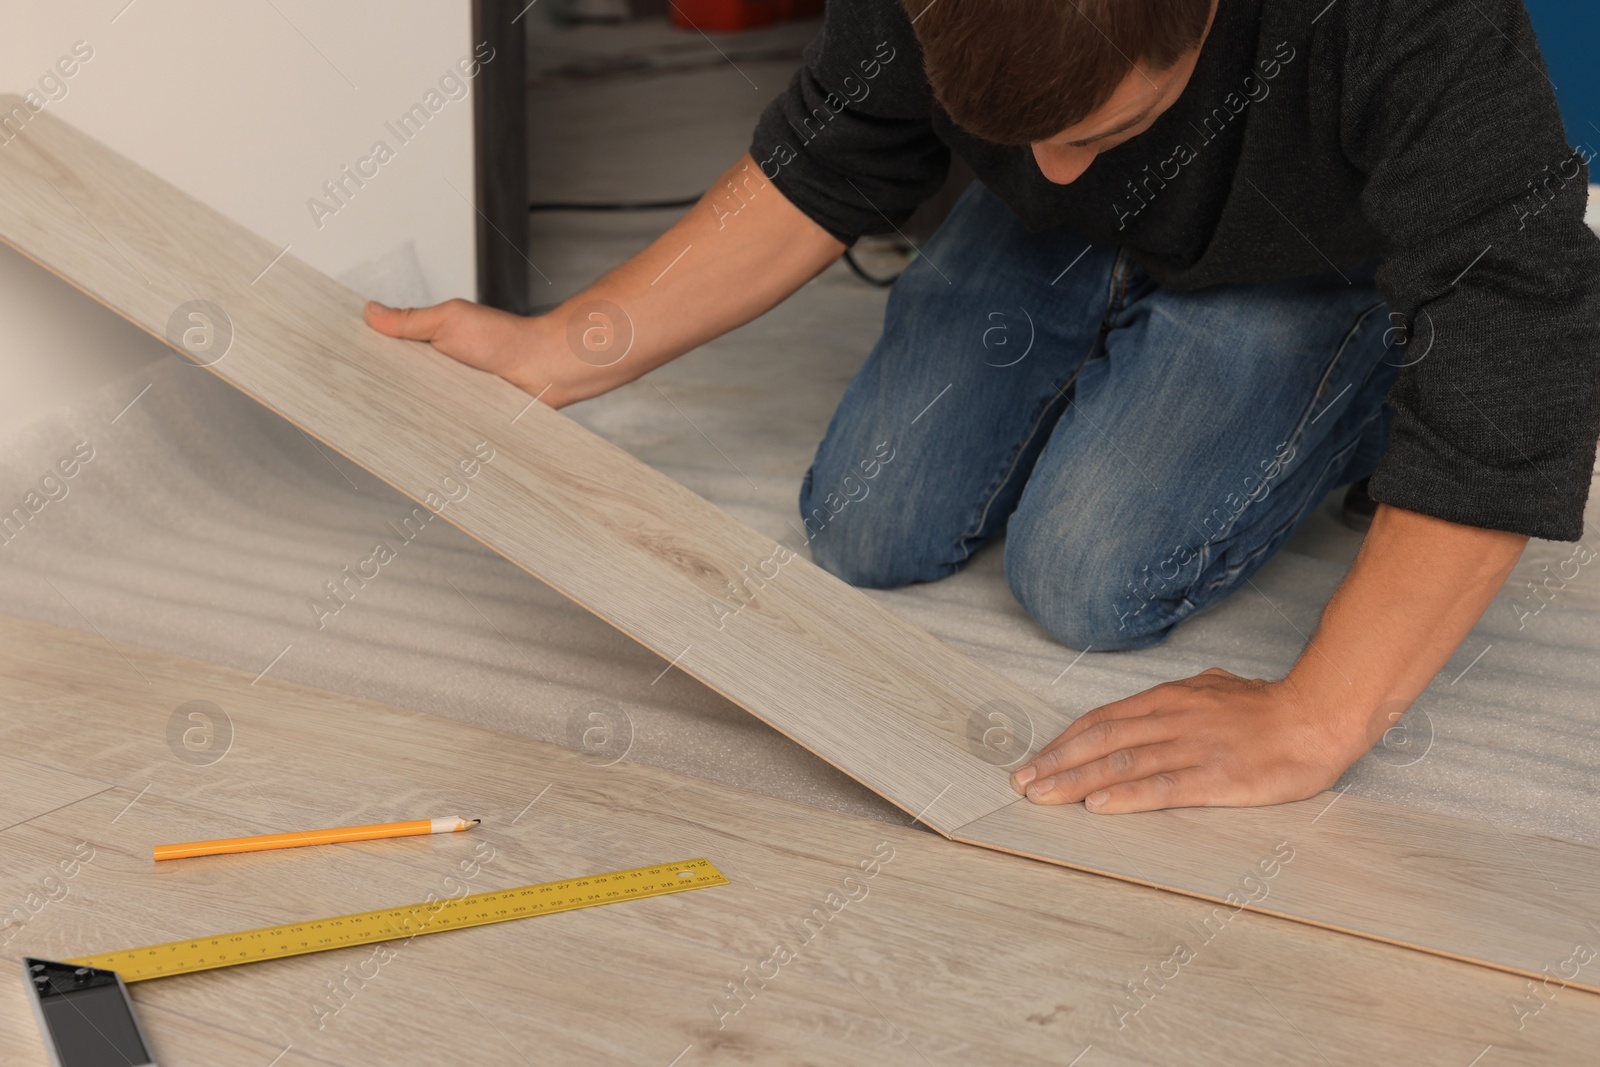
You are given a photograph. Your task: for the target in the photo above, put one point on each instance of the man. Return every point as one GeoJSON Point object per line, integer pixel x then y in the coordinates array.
{"type": "Point", "coordinates": [1210, 237]}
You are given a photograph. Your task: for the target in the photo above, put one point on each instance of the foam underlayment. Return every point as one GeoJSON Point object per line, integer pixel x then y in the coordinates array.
{"type": "Point", "coordinates": [208, 526]}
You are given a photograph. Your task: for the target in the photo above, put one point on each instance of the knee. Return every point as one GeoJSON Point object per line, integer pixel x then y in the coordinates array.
{"type": "Point", "coordinates": [1089, 592]}
{"type": "Point", "coordinates": [866, 540]}
{"type": "Point", "coordinates": [861, 561]}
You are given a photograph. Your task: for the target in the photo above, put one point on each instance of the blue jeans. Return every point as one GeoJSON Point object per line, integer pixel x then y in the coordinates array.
{"type": "Point", "coordinates": [1145, 449]}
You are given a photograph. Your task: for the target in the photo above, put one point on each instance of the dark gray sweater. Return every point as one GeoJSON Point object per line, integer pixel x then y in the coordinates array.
{"type": "Point", "coordinates": [1420, 133]}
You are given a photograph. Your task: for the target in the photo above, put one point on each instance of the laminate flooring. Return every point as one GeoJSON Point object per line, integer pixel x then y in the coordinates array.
{"type": "Point", "coordinates": [819, 661]}
{"type": "Point", "coordinates": [839, 939]}
{"type": "Point", "coordinates": [1459, 888]}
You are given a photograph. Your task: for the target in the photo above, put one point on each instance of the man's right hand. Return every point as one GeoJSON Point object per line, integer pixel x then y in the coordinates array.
{"type": "Point", "coordinates": [736, 254]}
{"type": "Point", "coordinates": [521, 350]}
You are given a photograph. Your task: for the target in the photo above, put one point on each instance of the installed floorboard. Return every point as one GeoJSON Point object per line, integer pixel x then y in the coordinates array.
{"type": "Point", "coordinates": [28, 793]}
{"type": "Point", "coordinates": [944, 954]}
{"type": "Point", "coordinates": [819, 661]}
{"type": "Point", "coordinates": [1458, 888]}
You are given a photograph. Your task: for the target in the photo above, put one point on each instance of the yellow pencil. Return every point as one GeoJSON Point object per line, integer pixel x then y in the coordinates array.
{"type": "Point", "coordinates": [314, 837]}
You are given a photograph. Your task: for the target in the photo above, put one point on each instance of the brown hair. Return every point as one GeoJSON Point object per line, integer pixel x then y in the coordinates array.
{"type": "Point", "coordinates": [1021, 71]}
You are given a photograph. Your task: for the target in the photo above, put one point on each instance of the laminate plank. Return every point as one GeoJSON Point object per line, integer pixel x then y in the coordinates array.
{"type": "Point", "coordinates": [946, 954]}
{"type": "Point", "coordinates": [818, 660]}
{"type": "Point", "coordinates": [1514, 901]}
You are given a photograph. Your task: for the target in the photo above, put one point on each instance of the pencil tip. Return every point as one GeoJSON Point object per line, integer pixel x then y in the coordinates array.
{"type": "Point", "coordinates": [475, 822]}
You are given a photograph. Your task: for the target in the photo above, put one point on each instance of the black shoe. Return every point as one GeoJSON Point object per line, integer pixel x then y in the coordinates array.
{"type": "Point", "coordinates": [1358, 507]}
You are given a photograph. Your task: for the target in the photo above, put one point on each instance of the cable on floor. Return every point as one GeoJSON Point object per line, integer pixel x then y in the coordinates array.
{"type": "Point", "coordinates": [612, 205]}
{"type": "Point", "coordinates": [686, 202]}
{"type": "Point", "coordinates": [880, 283]}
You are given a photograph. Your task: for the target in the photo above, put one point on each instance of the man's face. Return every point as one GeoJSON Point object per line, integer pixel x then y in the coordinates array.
{"type": "Point", "coordinates": [1141, 98]}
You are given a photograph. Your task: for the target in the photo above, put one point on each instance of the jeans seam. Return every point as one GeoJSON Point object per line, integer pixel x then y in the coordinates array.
{"type": "Point", "coordinates": [1207, 548]}
{"type": "Point", "coordinates": [1298, 432]}
{"type": "Point", "coordinates": [1342, 455]}
{"type": "Point", "coordinates": [1117, 291]}
{"type": "Point", "coordinates": [1230, 574]}
{"type": "Point", "coordinates": [1322, 386]}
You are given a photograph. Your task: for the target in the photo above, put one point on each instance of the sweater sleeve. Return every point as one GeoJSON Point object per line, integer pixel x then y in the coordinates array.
{"type": "Point", "coordinates": [1448, 113]}
{"type": "Point", "coordinates": [851, 141]}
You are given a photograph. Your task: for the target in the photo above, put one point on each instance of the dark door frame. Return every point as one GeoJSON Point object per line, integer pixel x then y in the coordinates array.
{"type": "Point", "coordinates": [500, 156]}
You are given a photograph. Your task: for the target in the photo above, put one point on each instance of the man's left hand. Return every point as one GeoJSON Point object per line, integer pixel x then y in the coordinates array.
{"type": "Point", "coordinates": [1213, 739]}
{"type": "Point", "coordinates": [1414, 592]}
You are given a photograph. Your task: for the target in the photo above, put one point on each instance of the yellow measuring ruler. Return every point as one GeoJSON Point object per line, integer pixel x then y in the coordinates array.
{"type": "Point", "coordinates": [407, 921]}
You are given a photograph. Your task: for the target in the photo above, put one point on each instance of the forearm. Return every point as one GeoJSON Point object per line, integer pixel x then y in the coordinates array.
{"type": "Point", "coordinates": [1416, 589]}
{"type": "Point", "coordinates": [742, 250]}
{"type": "Point", "coordinates": [739, 252]}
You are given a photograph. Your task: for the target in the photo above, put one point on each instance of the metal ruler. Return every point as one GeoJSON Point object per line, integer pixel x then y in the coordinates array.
{"type": "Point", "coordinates": [407, 921]}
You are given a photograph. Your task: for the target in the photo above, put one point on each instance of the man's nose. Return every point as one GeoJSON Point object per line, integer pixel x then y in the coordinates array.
{"type": "Point", "coordinates": [1063, 164]}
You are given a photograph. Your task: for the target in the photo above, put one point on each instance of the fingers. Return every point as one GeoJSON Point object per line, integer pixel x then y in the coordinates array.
{"type": "Point", "coordinates": [1111, 728]}
{"type": "Point", "coordinates": [1138, 704]}
{"type": "Point", "coordinates": [1097, 742]}
{"type": "Point", "coordinates": [1185, 788]}
{"type": "Point", "coordinates": [1128, 764]}
{"type": "Point", "coordinates": [1098, 721]}
{"type": "Point", "coordinates": [414, 324]}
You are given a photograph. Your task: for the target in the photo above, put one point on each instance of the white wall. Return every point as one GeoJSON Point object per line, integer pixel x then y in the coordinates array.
{"type": "Point", "coordinates": [249, 105]}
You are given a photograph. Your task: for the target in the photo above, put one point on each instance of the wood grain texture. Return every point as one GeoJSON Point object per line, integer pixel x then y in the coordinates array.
{"type": "Point", "coordinates": [949, 955]}
{"type": "Point", "coordinates": [871, 694]}
{"type": "Point", "coordinates": [816, 659]}
{"type": "Point", "coordinates": [29, 793]}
